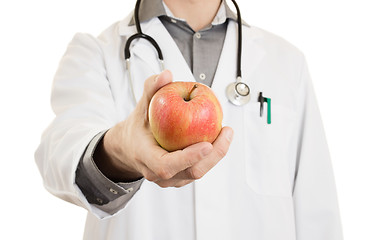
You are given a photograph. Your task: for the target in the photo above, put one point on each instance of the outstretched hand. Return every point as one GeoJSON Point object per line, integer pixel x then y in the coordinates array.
{"type": "Point", "coordinates": [129, 151]}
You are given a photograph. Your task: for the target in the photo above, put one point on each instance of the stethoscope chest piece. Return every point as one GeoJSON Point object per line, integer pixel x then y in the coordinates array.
{"type": "Point", "coordinates": [238, 93]}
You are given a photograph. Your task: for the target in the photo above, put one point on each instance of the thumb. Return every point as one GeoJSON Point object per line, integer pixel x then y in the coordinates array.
{"type": "Point", "coordinates": [151, 86]}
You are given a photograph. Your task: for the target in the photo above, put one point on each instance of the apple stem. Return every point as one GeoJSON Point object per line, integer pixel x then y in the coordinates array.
{"type": "Point", "coordinates": [190, 92]}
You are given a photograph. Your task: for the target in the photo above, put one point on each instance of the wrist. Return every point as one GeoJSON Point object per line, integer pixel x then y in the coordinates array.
{"type": "Point", "coordinates": [109, 159]}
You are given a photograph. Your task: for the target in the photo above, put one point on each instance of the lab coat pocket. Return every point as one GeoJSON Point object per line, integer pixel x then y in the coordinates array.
{"type": "Point", "coordinates": [267, 150]}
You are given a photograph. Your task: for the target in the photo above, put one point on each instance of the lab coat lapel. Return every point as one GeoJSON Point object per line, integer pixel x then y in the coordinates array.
{"type": "Point", "coordinates": [252, 55]}
{"type": "Point", "coordinates": [143, 50]}
{"type": "Point", "coordinates": [210, 187]}
{"type": "Point", "coordinates": [212, 210]}
{"type": "Point", "coordinates": [173, 59]}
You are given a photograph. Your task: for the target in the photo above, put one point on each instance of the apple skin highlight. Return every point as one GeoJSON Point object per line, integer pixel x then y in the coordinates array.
{"type": "Point", "coordinates": [177, 122]}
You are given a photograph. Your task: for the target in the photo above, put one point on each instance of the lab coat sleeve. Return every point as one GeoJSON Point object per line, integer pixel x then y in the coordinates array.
{"type": "Point", "coordinates": [97, 188]}
{"type": "Point", "coordinates": [315, 199]}
{"type": "Point", "coordinates": [83, 104]}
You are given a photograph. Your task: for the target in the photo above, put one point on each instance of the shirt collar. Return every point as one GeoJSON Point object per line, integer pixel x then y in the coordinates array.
{"type": "Point", "coordinates": [154, 8]}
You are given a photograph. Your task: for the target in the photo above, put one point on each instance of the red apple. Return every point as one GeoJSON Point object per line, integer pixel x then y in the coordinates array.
{"type": "Point", "coordinates": [184, 113]}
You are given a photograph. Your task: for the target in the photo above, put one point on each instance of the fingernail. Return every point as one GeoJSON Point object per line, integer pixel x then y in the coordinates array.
{"type": "Point", "coordinates": [229, 135]}
{"type": "Point", "coordinates": [156, 78]}
{"type": "Point", "coordinates": [206, 151]}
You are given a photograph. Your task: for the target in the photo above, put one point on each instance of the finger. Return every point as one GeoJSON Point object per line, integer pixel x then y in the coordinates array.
{"type": "Point", "coordinates": [173, 183]}
{"type": "Point", "coordinates": [182, 183]}
{"type": "Point", "coordinates": [222, 143]}
{"type": "Point", "coordinates": [167, 164]}
{"type": "Point", "coordinates": [220, 149]}
{"type": "Point", "coordinates": [152, 85]}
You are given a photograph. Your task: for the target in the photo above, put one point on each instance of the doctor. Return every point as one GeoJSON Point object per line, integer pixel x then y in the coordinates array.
{"type": "Point", "coordinates": [275, 181]}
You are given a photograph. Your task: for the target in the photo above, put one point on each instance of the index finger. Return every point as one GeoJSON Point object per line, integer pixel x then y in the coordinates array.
{"type": "Point", "coordinates": [167, 164]}
{"type": "Point", "coordinates": [220, 148]}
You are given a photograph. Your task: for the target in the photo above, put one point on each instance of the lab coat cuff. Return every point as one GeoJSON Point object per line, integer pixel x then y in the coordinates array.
{"type": "Point", "coordinates": [100, 191]}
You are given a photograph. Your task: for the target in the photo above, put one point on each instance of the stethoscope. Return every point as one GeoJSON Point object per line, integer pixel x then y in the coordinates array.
{"type": "Point", "coordinates": [238, 92]}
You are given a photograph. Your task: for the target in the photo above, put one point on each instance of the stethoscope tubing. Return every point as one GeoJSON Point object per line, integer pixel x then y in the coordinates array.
{"type": "Point", "coordinates": [240, 37]}
{"type": "Point", "coordinates": [234, 96]}
{"type": "Point", "coordinates": [127, 53]}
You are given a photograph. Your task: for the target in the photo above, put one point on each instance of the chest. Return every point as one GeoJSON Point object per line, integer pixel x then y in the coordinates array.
{"type": "Point", "coordinates": [264, 152]}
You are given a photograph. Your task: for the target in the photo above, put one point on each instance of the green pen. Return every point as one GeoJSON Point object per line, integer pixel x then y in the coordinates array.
{"type": "Point", "coordinates": [269, 101]}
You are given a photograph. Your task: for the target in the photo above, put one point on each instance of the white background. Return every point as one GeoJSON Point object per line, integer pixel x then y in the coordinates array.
{"type": "Point", "coordinates": [338, 38]}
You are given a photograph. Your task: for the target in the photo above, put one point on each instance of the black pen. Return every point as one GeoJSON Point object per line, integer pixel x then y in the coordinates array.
{"type": "Point", "coordinates": [263, 99]}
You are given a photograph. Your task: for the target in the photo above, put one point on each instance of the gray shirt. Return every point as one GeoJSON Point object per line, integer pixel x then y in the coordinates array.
{"type": "Point", "coordinates": [201, 51]}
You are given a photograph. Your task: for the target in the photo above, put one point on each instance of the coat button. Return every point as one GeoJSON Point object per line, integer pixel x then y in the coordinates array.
{"type": "Point", "coordinates": [113, 191]}
{"type": "Point", "coordinates": [198, 35]}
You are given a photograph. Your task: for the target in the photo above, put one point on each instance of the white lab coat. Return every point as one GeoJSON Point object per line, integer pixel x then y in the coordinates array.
{"type": "Point", "coordinates": [276, 181]}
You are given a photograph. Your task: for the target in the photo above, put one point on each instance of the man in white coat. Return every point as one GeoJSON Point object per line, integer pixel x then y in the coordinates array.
{"type": "Point", "coordinates": [275, 181]}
